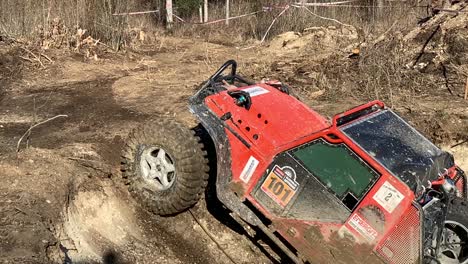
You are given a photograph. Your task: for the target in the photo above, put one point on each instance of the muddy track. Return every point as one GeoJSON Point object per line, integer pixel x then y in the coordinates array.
{"type": "Point", "coordinates": [87, 104]}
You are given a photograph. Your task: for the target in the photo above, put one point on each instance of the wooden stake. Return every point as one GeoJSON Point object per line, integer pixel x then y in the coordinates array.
{"type": "Point", "coordinates": [227, 12]}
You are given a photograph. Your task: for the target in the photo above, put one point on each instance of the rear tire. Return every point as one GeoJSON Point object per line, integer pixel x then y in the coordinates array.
{"type": "Point", "coordinates": [454, 244]}
{"type": "Point", "coordinates": [164, 166]}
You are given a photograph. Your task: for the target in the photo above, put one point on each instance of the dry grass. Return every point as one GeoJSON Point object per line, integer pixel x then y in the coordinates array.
{"type": "Point", "coordinates": [25, 19]}
{"type": "Point", "coordinates": [30, 18]}
{"type": "Point", "coordinates": [369, 20]}
{"type": "Point", "coordinates": [379, 72]}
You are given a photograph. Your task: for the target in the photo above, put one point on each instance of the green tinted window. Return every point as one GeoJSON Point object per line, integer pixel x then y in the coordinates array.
{"type": "Point", "coordinates": [337, 167]}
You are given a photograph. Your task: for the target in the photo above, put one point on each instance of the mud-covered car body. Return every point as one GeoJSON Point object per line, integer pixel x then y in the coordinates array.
{"type": "Point", "coordinates": [352, 190]}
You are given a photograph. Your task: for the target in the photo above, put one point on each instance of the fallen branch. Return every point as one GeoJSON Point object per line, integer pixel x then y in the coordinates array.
{"type": "Point", "coordinates": [423, 48]}
{"type": "Point", "coordinates": [458, 144]}
{"type": "Point", "coordinates": [36, 125]}
{"type": "Point", "coordinates": [47, 57]}
{"type": "Point", "coordinates": [27, 59]}
{"type": "Point", "coordinates": [178, 18]}
{"type": "Point", "coordinates": [450, 10]}
{"type": "Point", "coordinates": [384, 35]}
{"type": "Point", "coordinates": [36, 58]}
{"type": "Point", "coordinates": [466, 89]}
{"type": "Point", "coordinates": [446, 79]}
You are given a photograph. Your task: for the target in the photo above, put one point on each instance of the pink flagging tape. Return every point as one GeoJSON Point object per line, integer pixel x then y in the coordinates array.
{"type": "Point", "coordinates": [326, 3]}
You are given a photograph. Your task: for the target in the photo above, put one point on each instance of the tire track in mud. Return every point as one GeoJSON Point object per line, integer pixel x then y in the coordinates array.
{"type": "Point", "coordinates": [92, 113]}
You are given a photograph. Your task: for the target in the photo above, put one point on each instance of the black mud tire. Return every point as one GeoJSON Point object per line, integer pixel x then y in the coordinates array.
{"type": "Point", "coordinates": [191, 169]}
{"type": "Point", "coordinates": [458, 213]}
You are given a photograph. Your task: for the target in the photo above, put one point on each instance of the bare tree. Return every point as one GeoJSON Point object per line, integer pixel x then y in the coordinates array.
{"type": "Point", "coordinates": [200, 12]}
{"type": "Point", "coordinates": [227, 12]}
{"type": "Point", "coordinates": [206, 11]}
{"type": "Point", "coordinates": [169, 15]}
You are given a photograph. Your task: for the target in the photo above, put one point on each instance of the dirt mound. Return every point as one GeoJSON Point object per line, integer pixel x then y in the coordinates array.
{"type": "Point", "coordinates": [441, 44]}
{"type": "Point", "coordinates": [95, 218]}
{"type": "Point", "coordinates": [460, 153]}
{"type": "Point", "coordinates": [32, 193]}
{"type": "Point", "coordinates": [318, 42]}
{"type": "Point", "coordinates": [101, 222]}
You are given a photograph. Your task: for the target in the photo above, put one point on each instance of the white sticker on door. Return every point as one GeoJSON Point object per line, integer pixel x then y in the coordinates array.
{"type": "Point", "coordinates": [249, 169]}
{"type": "Point", "coordinates": [388, 197]}
{"type": "Point", "coordinates": [256, 90]}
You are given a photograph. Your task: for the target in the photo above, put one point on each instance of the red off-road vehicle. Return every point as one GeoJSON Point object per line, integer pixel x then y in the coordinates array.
{"type": "Point", "coordinates": [363, 188]}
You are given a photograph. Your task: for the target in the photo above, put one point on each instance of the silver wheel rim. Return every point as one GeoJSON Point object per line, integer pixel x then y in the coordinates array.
{"type": "Point", "coordinates": [157, 168]}
{"type": "Point", "coordinates": [451, 244]}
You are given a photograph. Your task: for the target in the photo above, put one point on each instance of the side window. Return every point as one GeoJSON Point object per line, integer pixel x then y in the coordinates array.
{"type": "Point", "coordinates": [341, 171]}
{"type": "Point", "coordinates": [314, 202]}
{"type": "Point", "coordinates": [288, 190]}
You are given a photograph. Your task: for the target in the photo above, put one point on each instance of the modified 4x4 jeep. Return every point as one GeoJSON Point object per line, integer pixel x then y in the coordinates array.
{"type": "Point", "coordinates": [363, 188]}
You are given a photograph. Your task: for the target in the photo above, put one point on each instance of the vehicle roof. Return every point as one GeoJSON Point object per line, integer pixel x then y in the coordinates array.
{"type": "Point", "coordinates": [274, 117]}
{"type": "Point", "coordinates": [399, 147]}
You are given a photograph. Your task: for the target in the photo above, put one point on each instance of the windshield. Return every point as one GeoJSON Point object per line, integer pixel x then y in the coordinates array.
{"type": "Point", "coordinates": [399, 148]}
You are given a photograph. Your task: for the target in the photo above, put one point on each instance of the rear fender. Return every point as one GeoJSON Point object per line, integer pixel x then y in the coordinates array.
{"type": "Point", "coordinates": [216, 128]}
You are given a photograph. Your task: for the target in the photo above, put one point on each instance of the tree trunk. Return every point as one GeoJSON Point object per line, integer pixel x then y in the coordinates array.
{"type": "Point", "coordinates": [206, 11]}
{"type": "Point", "coordinates": [169, 17]}
{"type": "Point", "coordinates": [227, 12]}
{"type": "Point", "coordinates": [200, 12]}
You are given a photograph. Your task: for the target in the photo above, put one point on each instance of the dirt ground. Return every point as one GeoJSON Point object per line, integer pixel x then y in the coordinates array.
{"type": "Point", "coordinates": [60, 201]}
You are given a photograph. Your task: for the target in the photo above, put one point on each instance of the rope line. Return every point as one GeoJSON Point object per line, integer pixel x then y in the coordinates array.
{"type": "Point", "coordinates": [322, 17]}
{"type": "Point", "coordinates": [211, 237]}
{"type": "Point", "coordinates": [273, 22]}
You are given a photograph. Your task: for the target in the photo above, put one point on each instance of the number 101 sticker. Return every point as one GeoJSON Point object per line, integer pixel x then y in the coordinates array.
{"type": "Point", "coordinates": [281, 185]}
{"type": "Point", "coordinates": [388, 197]}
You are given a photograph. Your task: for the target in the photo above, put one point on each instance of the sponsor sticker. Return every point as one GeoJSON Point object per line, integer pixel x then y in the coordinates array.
{"type": "Point", "coordinates": [362, 227]}
{"type": "Point", "coordinates": [256, 90]}
{"type": "Point", "coordinates": [388, 197]}
{"type": "Point", "coordinates": [281, 185]}
{"type": "Point", "coordinates": [249, 169]}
